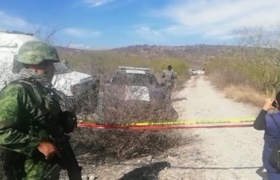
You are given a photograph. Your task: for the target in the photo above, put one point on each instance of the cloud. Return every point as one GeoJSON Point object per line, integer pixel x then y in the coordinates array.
{"type": "Point", "coordinates": [149, 34]}
{"type": "Point", "coordinates": [95, 3]}
{"type": "Point", "coordinates": [12, 21]}
{"type": "Point", "coordinates": [79, 46]}
{"type": "Point", "coordinates": [147, 31]}
{"type": "Point", "coordinates": [82, 32]}
{"type": "Point", "coordinates": [85, 47]}
{"type": "Point", "coordinates": [216, 18]}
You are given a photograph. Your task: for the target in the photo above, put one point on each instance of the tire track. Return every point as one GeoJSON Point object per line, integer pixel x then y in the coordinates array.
{"type": "Point", "coordinates": [224, 153]}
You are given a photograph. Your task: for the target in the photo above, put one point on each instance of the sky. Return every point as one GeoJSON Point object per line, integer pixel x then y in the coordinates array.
{"type": "Point", "coordinates": [95, 24]}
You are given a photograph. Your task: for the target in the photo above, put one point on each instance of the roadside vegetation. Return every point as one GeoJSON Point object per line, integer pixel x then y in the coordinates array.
{"type": "Point", "coordinates": [104, 63]}
{"type": "Point", "coordinates": [117, 145]}
{"type": "Point", "coordinates": [103, 145]}
{"type": "Point", "coordinates": [250, 73]}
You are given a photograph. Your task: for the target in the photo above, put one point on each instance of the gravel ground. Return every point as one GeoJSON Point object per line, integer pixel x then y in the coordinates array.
{"type": "Point", "coordinates": [217, 154]}
{"type": "Point", "coordinates": [227, 153]}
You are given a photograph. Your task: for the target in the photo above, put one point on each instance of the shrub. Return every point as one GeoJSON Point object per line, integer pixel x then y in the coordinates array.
{"type": "Point", "coordinates": [120, 144]}
{"type": "Point", "coordinates": [110, 145]}
{"type": "Point", "coordinates": [249, 74]}
{"type": "Point", "coordinates": [105, 63]}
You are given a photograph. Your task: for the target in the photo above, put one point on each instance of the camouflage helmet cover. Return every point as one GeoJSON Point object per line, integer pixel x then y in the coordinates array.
{"type": "Point", "coordinates": [35, 52]}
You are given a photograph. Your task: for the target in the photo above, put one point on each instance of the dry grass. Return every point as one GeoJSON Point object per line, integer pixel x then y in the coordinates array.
{"type": "Point", "coordinates": [111, 145]}
{"type": "Point", "coordinates": [234, 87]}
{"type": "Point", "coordinates": [103, 146]}
{"type": "Point", "coordinates": [242, 81]}
{"type": "Point", "coordinates": [117, 145]}
{"type": "Point", "coordinates": [104, 64]}
{"type": "Point", "coordinates": [244, 94]}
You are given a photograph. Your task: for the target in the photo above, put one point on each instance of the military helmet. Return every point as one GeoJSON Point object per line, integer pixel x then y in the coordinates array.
{"type": "Point", "coordinates": [35, 52]}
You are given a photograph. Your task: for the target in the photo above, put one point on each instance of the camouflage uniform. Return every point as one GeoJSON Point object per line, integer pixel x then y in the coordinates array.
{"type": "Point", "coordinates": [20, 131]}
{"type": "Point", "coordinates": [169, 81]}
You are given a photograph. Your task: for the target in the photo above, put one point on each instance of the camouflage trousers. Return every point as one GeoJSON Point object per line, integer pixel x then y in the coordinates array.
{"type": "Point", "coordinates": [168, 89]}
{"type": "Point", "coordinates": [37, 171]}
{"type": "Point", "coordinates": [25, 169]}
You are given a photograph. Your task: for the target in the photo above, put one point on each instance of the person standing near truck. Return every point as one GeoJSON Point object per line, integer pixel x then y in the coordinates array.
{"type": "Point", "coordinates": [169, 78]}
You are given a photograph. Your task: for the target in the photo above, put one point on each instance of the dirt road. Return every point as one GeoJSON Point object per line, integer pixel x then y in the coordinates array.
{"type": "Point", "coordinates": [216, 154]}
{"type": "Point", "coordinates": [224, 153]}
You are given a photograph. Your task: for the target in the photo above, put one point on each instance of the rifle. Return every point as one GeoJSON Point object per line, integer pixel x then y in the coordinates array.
{"type": "Point", "coordinates": [53, 172]}
{"type": "Point", "coordinates": [67, 159]}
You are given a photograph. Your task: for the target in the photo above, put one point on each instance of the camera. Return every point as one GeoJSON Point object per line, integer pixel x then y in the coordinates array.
{"type": "Point", "coordinates": [274, 103]}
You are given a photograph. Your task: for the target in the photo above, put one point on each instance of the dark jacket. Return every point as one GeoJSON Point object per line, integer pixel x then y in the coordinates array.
{"type": "Point", "coordinates": [271, 136]}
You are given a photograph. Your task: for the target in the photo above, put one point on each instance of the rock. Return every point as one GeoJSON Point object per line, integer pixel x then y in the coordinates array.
{"type": "Point", "coordinates": [149, 158]}
{"type": "Point", "coordinates": [91, 177]}
{"type": "Point", "coordinates": [84, 177]}
{"type": "Point", "coordinates": [88, 177]}
{"type": "Point", "coordinates": [170, 158]}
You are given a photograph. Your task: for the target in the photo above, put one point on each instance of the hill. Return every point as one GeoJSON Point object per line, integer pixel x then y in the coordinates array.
{"type": "Point", "coordinates": [196, 55]}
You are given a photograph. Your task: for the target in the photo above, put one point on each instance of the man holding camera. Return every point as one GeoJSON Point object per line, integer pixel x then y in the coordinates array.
{"type": "Point", "coordinates": [270, 123]}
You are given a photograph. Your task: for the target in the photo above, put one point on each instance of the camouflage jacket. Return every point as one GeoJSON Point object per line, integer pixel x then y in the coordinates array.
{"type": "Point", "coordinates": [169, 76]}
{"type": "Point", "coordinates": [18, 118]}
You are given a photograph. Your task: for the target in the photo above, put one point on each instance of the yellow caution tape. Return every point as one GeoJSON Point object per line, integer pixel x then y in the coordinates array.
{"type": "Point", "coordinates": [180, 122]}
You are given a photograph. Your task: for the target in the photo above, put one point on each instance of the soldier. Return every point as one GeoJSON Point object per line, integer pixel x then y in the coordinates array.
{"type": "Point", "coordinates": [169, 77]}
{"type": "Point", "coordinates": [22, 135]}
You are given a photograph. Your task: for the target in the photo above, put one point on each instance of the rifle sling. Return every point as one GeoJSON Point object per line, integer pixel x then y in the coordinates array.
{"type": "Point", "coordinates": [30, 91]}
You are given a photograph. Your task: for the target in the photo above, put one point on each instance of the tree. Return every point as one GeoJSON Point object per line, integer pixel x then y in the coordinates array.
{"type": "Point", "coordinates": [260, 51]}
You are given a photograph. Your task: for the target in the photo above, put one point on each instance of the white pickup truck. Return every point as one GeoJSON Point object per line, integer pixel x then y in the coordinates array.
{"type": "Point", "coordinates": [196, 72]}
{"type": "Point", "coordinates": [72, 85]}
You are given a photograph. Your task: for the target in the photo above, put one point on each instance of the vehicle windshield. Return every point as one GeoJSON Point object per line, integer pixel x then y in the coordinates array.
{"type": "Point", "coordinates": [134, 79]}
{"type": "Point", "coordinates": [61, 68]}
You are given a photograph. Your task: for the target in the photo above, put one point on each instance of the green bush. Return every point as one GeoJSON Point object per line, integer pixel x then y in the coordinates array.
{"type": "Point", "coordinates": [228, 71]}
{"type": "Point", "coordinates": [105, 63]}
